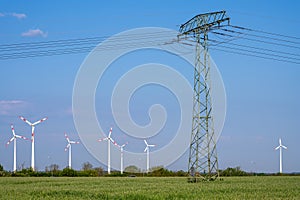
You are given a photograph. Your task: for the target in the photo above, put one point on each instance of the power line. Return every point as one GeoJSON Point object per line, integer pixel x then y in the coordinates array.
{"type": "Point", "coordinates": [265, 32]}
{"type": "Point", "coordinates": [227, 38]}
{"type": "Point", "coordinates": [254, 55]}
{"type": "Point", "coordinates": [257, 40]}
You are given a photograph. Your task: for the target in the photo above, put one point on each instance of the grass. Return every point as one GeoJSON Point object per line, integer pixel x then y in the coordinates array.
{"type": "Point", "coordinates": [273, 187]}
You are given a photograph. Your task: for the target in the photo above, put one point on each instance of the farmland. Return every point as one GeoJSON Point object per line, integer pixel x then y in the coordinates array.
{"type": "Point", "coordinates": [267, 187]}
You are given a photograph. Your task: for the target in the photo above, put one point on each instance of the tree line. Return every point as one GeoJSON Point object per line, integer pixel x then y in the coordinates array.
{"type": "Point", "coordinates": [88, 170]}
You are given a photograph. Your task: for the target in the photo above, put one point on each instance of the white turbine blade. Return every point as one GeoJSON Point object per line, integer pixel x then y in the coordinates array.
{"type": "Point", "coordinates": [22, 137]}
{"type": "Point", "coordinates": [279, 141]}
{"type": "Point", "coordinates": [25, 120]}
{"type": "Point", "coordinates": [112, 141]}
{"type": "Point", "coordinates": [284, 147]}
{"type": "Point", "coordinates": [277, 147]}
{"type": "Point", "coordinates": [124, 145]}
{"type": "Point", "coordinates": [12, 130]}
{"type": "Point", "coordinates": [67, 137]}
{"type": "Point", "coordinates": [102, 139]}
{"type": "Point", "coordinates": [151, 145]}
{"type": "Point", "coordinates": [10, 141]}
{"type": "Point", "coordinates": [110, 131]}
{"type": "Point", "coordinates": [67, 147]}
{"type": "Point", "coordinates": [73, 142]}
{"type": "Point", "coordinates": [146, 142]}
{"type": "Point", "coordinates": [37, 122]}
{"type": "Point", "coordinates": [146, 148]}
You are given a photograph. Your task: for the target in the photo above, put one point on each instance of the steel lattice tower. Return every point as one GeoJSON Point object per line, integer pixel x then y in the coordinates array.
{"type": "Point", "coordinates": [203, 160]}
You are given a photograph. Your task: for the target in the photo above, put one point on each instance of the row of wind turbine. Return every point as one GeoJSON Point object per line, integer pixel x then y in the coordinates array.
{"type": "Point", "coordinates": [121, 147]}
{"type": "Point", "coordinates": [108, 139]}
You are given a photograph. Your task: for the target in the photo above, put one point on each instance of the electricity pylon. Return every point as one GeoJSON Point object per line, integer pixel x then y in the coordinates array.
{"type": "Point", "coordinates": [203, 160]}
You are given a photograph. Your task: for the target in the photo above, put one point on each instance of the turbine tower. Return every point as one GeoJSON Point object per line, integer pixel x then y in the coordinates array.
{"type": "Point", "coordinates": [69, 146]}
{"type": "Point", "coordinates": [122, 150]}
{"type": "Point", "coordinates": [32, 136]}
{"type": "Point", "coordinates": [280, 154]}
{"type": "Point", "coordinates": [109, 140]}
{"type": "Point", "coordinates": [203, 161]}
{"type": "Point", "coordinates": [14, 138]}
{"type": "Point", "coordinates": [147, 150]}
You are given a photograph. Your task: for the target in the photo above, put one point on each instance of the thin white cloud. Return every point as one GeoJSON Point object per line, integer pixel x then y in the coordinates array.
{"type": "Point", "coordinates": [9, 107]}
{"type": "Point", "coordinates": [18, 15]}
{"type": "Point", "coordinates": [34, 33]}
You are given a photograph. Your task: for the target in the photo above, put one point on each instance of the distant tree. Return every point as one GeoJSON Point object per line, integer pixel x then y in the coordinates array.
{"type": "Point", "coordinates": [100, 171]}
{"type": "Point", "coordinates": [87, 166]}
{"type": "Point", "coordinates": [160, 171]}
{"type": "Point", "coordinates": [181, 173]}
{"type": "Point", "coordinates": [68, 172]}
{"type": "Point", "coordinates": [132, 169]}
{"type": "Point", "coordinates": [53, 167]}
{"type": "Point", "coordinates": [156, 168]}
{"type": "Point", "coordinates": [233, 172]}
{"type": "Point", "coordinates": [1, 168]}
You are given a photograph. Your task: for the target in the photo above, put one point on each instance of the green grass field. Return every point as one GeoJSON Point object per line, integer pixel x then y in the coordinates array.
{"type": "Point", "coordinates": [273, 187]}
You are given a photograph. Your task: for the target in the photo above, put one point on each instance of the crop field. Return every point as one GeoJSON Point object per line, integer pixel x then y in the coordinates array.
{"type": "Point", "coordinates": [273, 187]}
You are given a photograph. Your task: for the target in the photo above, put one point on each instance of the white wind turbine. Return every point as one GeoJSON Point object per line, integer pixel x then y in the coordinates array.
{"type": "Point", "coordinates": [32, 136]}
{"type": "Point", "coordinates": [280, 154]}
{"type": "Point", "coordinates": [147, 150]}
{"type": "Point", "coordinates": [69, 146]}
{"type": "Point", "coordinates": [122, 151]}
{"type": "Point", "coordinates": [14, 138]}
{"type": "Point", "coordinates": [109, 140]}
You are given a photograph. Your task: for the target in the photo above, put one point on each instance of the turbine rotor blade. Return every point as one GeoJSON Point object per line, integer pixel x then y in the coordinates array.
{"type": "Point", "coordinates": [67, 147]}
{"type": "Point", "coordinates": [110, 131]}
{"type": "Point", "coordinates": [12, 130]}
{"type": "Point", "coordinates": [146, 142]}
{"type": "Point", "coordinates": [284, 147]}
{"type": "Point", "coordinates": [102, 139]}
{"type": "Point", "coordinates": [22, 137]}
{"type": "Point", "coordinates": [25, 120]}
{"type": "Point", "coordinates": [151, 145]}
{"type": "Point", "coordinates": [10, 141]}
{"type": "Point", "coordinates": [124, 145]}
{"type": "Point", "coordinates": [146, 148]}
{"type": "Point", "coordinates": [112, 141]}
{"type": "Point", "coordinates": [277, 148]}
{"type": "Point", "coordinates": [67, 137]}
{"type": "Point", "coordinates": [37, 122]}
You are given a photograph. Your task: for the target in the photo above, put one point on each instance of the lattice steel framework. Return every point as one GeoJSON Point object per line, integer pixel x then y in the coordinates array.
{"type": "Point", "coordinates": [203, 160]}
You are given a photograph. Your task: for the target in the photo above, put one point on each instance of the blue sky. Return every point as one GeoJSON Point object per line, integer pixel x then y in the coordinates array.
{"type": "Point", "coordinates": [262, 95]}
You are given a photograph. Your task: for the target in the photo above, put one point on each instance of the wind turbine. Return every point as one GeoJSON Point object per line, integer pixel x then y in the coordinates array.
{"type": "Point", "coordinates": [147, 150]}
{"type": "Point", "coordinates": [109, 140]}
{"type": "Point", "coordinates": [122, 150]}
{"type": "Point", "coordinates": [280, 154]}
{"type": "Point", "coordinates": [32, 136]}
{"type": "Point", "coordinates": [14, 138]}
{"type": "Point", "coordinates": [69, 146]}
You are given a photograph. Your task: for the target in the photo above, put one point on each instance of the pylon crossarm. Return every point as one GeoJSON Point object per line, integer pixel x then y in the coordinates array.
{"type": "Point", "coordinates": [203, 22]}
